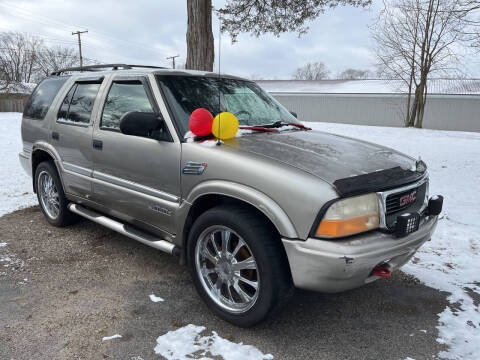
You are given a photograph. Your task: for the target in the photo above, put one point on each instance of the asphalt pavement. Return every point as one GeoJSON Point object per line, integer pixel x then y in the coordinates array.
{"type": "Point", "coordinates": [85, 282]}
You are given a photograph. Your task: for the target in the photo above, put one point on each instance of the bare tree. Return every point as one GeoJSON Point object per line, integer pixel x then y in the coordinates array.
{"type": "Point", "coordinates": [472, 31]}
{"type": "Point", "coordinates": [311, 71]}
{"type": "Point", "coordinates": [416, 39]}
{"type": "Point", "coordinates": [354, 74]}
{"type": "Point", "coordinates": [18, 56]}
{"type": "Point", "coordinates": [56, 58]}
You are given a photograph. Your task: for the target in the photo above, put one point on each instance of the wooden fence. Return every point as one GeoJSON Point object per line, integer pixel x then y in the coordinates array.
{"type": "Point", "coordinates": [13, 102]}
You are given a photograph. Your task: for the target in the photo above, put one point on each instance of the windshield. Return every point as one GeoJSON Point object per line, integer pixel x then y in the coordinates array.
{"type": "Point", "coordinates": [246, 100]}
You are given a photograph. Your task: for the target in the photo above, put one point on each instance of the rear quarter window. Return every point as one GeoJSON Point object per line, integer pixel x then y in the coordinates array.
{"type": "Point", "coordinates": [41, 99]}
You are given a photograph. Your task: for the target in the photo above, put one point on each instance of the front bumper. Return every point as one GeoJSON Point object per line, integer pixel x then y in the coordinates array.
{"type": "Point", "coordinates": [338, 265]}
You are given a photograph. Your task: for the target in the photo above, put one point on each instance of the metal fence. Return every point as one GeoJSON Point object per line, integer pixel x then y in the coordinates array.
{"type": "Point", "coordinates": [12, 102]}
{"type": "Point", "coordinates": [443, 112]}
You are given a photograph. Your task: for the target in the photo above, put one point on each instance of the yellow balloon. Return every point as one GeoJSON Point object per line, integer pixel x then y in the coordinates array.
{"type": "Point", "coordinates": [225, 126]}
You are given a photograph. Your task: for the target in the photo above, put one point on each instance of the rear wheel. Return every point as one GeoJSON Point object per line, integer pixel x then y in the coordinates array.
{"type": "Point", "coordinates": [238, 265]}
{"type": "Point", "coordinates": [51, 197]}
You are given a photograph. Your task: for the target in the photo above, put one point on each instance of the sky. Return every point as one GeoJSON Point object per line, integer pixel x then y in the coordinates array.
{"type": "Point", "coordinates": [146, 32]}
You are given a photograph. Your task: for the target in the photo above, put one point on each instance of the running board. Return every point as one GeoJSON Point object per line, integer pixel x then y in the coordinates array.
{"type": "Point", "coordinates": [126, 230]}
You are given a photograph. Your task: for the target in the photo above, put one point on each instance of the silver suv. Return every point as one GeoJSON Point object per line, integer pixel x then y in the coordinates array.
{"type": "Point", "coordinates": [279, 206]}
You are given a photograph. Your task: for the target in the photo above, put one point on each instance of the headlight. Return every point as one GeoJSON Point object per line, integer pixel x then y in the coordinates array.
{"type": "Point", "coordinates": [350, 216]}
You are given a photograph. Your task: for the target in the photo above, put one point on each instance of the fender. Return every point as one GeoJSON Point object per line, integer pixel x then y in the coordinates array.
{"type": "Point", "coordinates": [241, 192]}
{"type": "Point", "coordinates": [49, 149]}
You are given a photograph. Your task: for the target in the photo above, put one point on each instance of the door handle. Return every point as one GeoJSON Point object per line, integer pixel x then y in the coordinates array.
{"type": "Point", "coordinates": [97, 144]}
{"type": "Point", "coordinates": [55, 135]}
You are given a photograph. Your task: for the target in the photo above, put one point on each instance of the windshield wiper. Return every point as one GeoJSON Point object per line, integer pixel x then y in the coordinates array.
{"type": "Point", "coordinates": [258, 128]}
{"type": "Point", "coordinates": [274, 127]}
{"type": "Point", "coordinates": [279, 124]}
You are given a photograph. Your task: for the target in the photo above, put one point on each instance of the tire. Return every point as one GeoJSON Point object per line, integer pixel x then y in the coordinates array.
{"type": "Point", "coordinates": [53, 201]}
{"type": "Point", "coordinates": [271, 275]}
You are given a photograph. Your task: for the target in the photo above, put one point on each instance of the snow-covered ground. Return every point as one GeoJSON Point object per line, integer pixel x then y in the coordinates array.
{"type": "Point", "coordinates": [187, 341]}
{"type": "Point", "coordinates": [450, 262]}
{"type": "Point", "coordinates": [15, 186]}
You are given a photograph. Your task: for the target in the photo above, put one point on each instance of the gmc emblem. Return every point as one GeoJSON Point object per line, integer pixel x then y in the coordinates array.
{"type": "Point", "coordinates": [409, 198]}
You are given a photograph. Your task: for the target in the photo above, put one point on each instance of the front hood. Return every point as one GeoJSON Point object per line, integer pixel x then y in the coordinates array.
{"type": "Point", "coordinates": [328, 156]}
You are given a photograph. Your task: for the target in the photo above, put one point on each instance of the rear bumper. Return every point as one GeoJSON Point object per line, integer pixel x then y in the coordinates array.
{"type": "Point", "coordinates": [339, 265]}
{"type": "Point", "coordinates": [25, 162]}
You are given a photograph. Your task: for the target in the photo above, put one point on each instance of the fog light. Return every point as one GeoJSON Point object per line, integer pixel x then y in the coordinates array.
{"type": "Point", "coordinates": [407, 224]}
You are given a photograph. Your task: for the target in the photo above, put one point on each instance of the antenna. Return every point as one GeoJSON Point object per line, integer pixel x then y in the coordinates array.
{"type": "Point", "coordinates": [219, 78]}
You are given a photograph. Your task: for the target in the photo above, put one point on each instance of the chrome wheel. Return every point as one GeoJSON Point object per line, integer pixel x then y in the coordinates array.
{"type": "Point", "coordinates": [227, 269]}
{"type": "Point", "coordinates": [48, 195]}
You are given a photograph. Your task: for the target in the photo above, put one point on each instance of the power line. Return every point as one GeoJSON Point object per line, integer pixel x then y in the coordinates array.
{"type": "Point", "coordinates": [100, 40]}
{"type": "Point", "coordinates": [44, 20]}
{"type": "Point", "coordinates": [44, 52]}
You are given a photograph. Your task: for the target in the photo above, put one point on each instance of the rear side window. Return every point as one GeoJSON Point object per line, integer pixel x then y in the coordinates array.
{"type": "Point", "coordinates": [63, 112]}
{"type": "Point", "coordinates": [122, 98]}
{"type": "Point", "coordinates": [78, 104]}
{"type": "Point", "coordinates": [41, 99]}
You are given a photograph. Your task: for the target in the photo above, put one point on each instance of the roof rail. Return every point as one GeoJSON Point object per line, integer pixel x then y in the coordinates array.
{"type": "Point", "coordinates": [103, 66]}
{"type": "Point", "coordinates": [147, 66]}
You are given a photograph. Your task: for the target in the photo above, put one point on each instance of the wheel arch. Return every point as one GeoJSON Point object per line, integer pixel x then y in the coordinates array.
{"type": "Point", "coordinates": [213, 193]}
{"type": "Point", "coordinates": [40, 153]}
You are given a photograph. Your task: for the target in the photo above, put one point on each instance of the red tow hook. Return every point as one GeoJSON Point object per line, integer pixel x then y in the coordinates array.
{"type": "Point", "coordinates": [381, 271]}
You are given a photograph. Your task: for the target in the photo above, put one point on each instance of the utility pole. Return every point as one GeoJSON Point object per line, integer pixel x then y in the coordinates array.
{"type": "Point", "coordinates": [78, 33]}
{"type": "Point", "coordinates": [173, 60]}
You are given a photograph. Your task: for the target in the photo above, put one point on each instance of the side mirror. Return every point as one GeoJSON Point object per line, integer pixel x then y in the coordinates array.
{"type": "Point", "coordinates": [294, 114]}
{"type": "Point", "coordinates": [138, 123]}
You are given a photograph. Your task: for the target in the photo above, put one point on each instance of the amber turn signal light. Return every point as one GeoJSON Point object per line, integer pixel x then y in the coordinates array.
{"type": "Point", "coordinates": [350, 216]}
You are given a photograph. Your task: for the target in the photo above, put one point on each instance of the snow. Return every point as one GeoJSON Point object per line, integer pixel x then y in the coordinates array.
{"type": "Point", "coordinates": [19, 88]}
{"type": "Point", "coordinates": [210, 143]}
{"type": "Point", "coordinates": [155, 298]}
{"type": "Point", "coordinates": [116, 336]}
{"type": "Point", "coordinates": [450, 262]}
{"type": "Point", "coordinates": [190, 137]}
{"type": "Point", "coordinates": [10, 260]}
{"type": "Point", "coordinates": [187, 341]}
{"type": "Point", "coordinates": [16, 186]}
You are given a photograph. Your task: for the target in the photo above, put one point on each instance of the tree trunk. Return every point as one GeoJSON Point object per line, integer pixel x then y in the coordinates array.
{"type": "Point", "coordinates": [421, 110]}
{"type": "Point", "coordinates": [413, 113]}
{"type": "Point", "coordinates": [200, 46]}
{"type": "Point", "coordinates": [409, 101]}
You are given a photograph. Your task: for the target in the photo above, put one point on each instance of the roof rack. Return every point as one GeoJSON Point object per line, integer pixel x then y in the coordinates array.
{"type": "Point", "coordinates": [104, 66]}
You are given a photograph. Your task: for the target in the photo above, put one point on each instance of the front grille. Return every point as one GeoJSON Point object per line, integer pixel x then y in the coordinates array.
{"type": "Point", "coordinates": [398, 203]}
{"type": "Point", "coordinates": [394, 201]}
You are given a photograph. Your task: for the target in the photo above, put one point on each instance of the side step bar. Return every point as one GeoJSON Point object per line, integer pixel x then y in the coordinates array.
{"type": "Point", "coordinates": [126, 230]}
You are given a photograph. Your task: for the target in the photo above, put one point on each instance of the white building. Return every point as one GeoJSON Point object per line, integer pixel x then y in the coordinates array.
{"type": "Point", "coordinates": [452, 104]}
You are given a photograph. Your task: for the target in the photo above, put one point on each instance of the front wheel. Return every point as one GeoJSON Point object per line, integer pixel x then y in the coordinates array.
{"type": "Point", "coordinates": [238, 265]}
